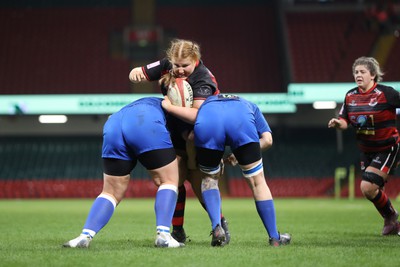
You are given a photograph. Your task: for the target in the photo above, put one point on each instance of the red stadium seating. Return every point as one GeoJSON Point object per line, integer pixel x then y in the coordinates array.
{"type": "Point", "coordinates": [67, 50]}
{"type": "Point", "coordinates": [323, 46]}
{"type": "Point", "coordinates": [392, 66]}
{"type": "Point", "coordinates": [231, 46]}
{"type": "Point", "coordinates": [59, 51]}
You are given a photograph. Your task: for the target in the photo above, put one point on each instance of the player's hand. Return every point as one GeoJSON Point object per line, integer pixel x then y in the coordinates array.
{"type": "Point", "coordinates": [191, 136]}
{"type": "Point", "coordinates": [136, 75]}
{"type": "Point", "coordinates": [334, 123]}
{"type": "Point", "coordinates": [222, 166]}
{"type": "Point", "coordinates": [166, 103]}
{"type": "Point", "coordinates": [231, 160]}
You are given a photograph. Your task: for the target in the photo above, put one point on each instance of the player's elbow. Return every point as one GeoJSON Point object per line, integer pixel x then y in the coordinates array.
{"type": "Point", "coordinates": [266, 141]}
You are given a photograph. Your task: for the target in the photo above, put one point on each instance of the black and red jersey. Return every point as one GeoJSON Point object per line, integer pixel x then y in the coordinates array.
{"type": "Point", "coordinates": [373, 115]}
{"type": "Point", "coordinates": [202, 81]}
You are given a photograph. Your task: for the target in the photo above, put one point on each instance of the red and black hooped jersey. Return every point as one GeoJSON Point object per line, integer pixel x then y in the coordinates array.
{"type": "Point", "coordinates": [373, 115]}
{"type": "Point", "coordinates": [202, 81]}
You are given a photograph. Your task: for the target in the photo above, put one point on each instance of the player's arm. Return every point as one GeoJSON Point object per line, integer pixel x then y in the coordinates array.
{"type": "Point", "coordinates": [150, 72]}
{"type": "Point", "coordinates": [393, 97]}
{"type": "Point", "coordinates": [184, 113]}
{"type": "Point", "coordinates": [263, 129]}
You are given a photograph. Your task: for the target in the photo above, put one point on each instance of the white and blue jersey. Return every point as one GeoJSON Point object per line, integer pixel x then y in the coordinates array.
{"type": "Point", "coordinates": [136, 128]}
{"type": "Point", "coordinates": [228, 120]}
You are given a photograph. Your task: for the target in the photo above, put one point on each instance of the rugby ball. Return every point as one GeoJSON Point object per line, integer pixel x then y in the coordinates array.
{"type": "Point", "coordinates": [180, 93]}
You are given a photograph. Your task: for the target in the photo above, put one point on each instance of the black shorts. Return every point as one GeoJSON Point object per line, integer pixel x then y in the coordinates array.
{"type": "Point", "coordinates": [385, 161]}
{"type": "Point", "coordinates": [151, 160]}
{"type": "Point", "coordinates": [246, 154]}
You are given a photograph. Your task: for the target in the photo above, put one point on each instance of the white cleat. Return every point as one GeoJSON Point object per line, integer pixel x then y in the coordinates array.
{"type": "Point", "coordinates": [82, 241]}
{"type": "Point", "coordinates": [165, 240]}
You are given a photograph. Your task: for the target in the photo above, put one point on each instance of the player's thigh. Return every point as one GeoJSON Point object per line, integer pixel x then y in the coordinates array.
{"type": "Point", "coordinates": [167, 174]}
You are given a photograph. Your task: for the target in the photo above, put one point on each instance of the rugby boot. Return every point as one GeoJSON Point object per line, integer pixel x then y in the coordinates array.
{"type": "Point", "coordinates": [218, 236]}
{"type": "Point", "coordinates": [284, 239]}
{"type": "Point", "coordinates": [391, 225]}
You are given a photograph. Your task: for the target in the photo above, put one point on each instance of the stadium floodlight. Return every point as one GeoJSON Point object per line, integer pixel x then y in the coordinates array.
{"type": "Point", "coordinates": [53, 119]}
{"type": "Point", "coordinates": [324, 105]}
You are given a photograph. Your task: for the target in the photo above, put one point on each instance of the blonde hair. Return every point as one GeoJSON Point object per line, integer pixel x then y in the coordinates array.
{"type": "Point", "coordinates": [180, 48]}
{"type": "Point", "coordinates": [372, 65]}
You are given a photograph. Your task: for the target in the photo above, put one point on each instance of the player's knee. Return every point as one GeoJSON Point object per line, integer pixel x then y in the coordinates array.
{"type": "Point", "coordinates": [372, 178]}
{"type": "Point", "coordinates": [253, 170]}
{"type": "Point", "coordinates": [211, 171]}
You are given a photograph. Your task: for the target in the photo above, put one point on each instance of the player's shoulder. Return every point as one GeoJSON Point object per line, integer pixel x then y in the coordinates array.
{"type": "Point", "coordinates": [384, 88]}
{"type": "Point", "coordinates": [351, 94]}
{"type": "Point", "coordinates": [352, 91]}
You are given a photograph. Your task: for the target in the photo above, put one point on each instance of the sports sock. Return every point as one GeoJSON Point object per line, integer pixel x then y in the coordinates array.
{"type": "Point", "coordinates": [100, 213]}
{"type": "Point", "coordinates": [266, 211]}
{"type": "Point", "coordinates": [212, 200]}
{"type": "Point", "coordinates": [179, 213]}
{"type": "Point", "coordinates": [164, 206]}
{"type": "Point", "coordinates": [383, 205]}
{"type": "Point", "coordinates": [204, 207]}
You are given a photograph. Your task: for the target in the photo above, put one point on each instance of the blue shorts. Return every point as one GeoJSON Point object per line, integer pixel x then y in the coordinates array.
{"type": "Point", "coordinates": [137, 128]}
{"type": "Point", "coordinates": [221, 123]}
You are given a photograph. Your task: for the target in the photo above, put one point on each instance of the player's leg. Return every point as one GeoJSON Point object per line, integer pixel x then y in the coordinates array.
{"type": "Point", "coordinates": [210, 139]}
{"type": "Point", "coordinates": [250, 161]}
{"type": "Point", "coordinates": [163, 168]}
{"type": "Point", "coordinates": [114, 187]}
{"type": "Point", "coordinates": [117, 166]}
{"type": "Point", "coordinates": [178, 232]}
{"type": "Point", "coordinates": [195, 178]}
{"type": "Point", "coordinates": [209, 163]}
{"type": "Point", "coordinates": [179, 132]}
{"type": "Point", "coordinates": [372, 185]}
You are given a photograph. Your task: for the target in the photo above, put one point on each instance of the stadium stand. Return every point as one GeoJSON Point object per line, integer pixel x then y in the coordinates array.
{"type": "Point", "coordinates": [67, 50]}
{"type": "Point", "coordinates": [392, 65]}
{"type": "Point", "coordinates": [323, 46]}
{"type": "Point", "coordinates": [61, 51]}
{"type": "Point", "coordinates": [231, 46]}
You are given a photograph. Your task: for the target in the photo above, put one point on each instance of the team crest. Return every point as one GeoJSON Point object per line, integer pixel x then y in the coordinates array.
{"type": "Point", "coordinates": [373, 102]}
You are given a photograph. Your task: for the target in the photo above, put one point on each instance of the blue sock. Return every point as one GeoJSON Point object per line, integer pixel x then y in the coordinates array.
{"type": "Point", "coordinates": [266, 211]}
{"type": "Point", "coordinates": [99, 215]}
{"type": "Point", "coordinates": [164, 206]}
{"type": "Point", "coordinates": [212, 200]}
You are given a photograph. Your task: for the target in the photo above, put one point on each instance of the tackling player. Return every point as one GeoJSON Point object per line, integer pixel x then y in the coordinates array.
{"type": "Point", "coordinates": [133, 134]}
{"type": "Point", "coordinates": [240, 125]}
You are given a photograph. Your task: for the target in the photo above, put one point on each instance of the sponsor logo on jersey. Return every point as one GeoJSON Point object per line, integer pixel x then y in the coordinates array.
{"type": "Point", "coordinates": [361, 120]}
{"type": "Point", "coordinates": [353, 103]}
{"type": "Point", "coordinates": [373, 102]}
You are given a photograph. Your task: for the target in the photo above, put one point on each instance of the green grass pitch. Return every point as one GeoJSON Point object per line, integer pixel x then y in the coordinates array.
{"type": "Point", "coordinates": [325, 232]}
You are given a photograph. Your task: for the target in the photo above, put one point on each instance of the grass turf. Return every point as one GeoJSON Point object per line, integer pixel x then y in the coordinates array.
{"type": "Point", "coordinates": [325, 232]}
